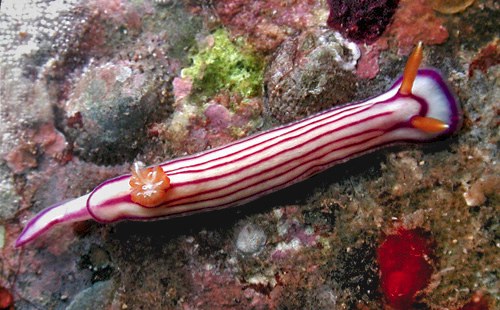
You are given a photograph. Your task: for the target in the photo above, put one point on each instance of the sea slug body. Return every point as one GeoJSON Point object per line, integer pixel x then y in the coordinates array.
{"type": "Point", "coordinates": [418, 108]}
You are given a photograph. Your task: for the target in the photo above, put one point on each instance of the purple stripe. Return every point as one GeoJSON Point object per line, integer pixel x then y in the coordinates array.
{"type": "Point", "coordinates": [272, 169]}
{"type": "Point", "coordinates": [265, 148]}
{"type": "Point", "coordinates": [166, 203]}
{"type": "Point", "coordinates": [311, 171]}
{"type": "Point", "coordinates": [120, 178]}
{"type": "Point", "coordinates": [50, 224]}
{"type": "Point", "coordinates": [198, 156]}
{"type": "Point", "coordinates": [287, 150]}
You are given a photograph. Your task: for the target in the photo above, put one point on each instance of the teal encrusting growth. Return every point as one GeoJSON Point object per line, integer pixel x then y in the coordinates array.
{"type": "Point", "coordinates": [224, 65]}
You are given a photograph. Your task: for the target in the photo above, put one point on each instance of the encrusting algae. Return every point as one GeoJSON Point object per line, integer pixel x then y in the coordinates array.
{"type": "Point", "coordinates": [224, 65]}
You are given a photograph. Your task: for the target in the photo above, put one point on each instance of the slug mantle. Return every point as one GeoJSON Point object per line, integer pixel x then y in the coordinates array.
{"type": "Point", "coordinates": [419, 107]}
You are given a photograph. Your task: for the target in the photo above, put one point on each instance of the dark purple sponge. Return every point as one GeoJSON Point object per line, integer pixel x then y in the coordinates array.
{"type": "Point", "coordinates": [362, 21]}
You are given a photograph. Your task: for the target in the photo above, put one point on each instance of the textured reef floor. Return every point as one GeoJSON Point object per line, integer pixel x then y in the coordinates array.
{"type": "Point", "coordinates": [89, 87]}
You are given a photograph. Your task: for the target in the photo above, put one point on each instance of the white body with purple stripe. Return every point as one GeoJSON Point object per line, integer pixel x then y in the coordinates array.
{"type": "Point", "coordinates": [250, 168]}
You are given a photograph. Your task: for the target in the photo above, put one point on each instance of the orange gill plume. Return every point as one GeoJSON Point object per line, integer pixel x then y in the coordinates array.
{"type": "Point", "coordinates": [149, 185]}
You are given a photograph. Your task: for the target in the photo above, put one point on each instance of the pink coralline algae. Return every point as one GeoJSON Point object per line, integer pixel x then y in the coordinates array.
{"type": "Point", "coordinates": [368, 67]}
{"type": "Point", "coordinates": [486, 58]}
{"type": "Point", "coordinates": [266, 23]}
{"type": "Point", "coordinates": [223, 125]}
{"type": "Point", "coordinates": [119, 12]}
{"type": "Point", "coordinates": [414, 21]}
{"type": "Point", "coordinates": [219, 120]}
{"type": "Point", "coordinates": [213, 289]}
{"type": "Point", "coordinates": [45, 139]}
{"type": "Point", "coordinates": [182, 88]}
{"type": "Point", "coordinates": [363, 20]}
{"type": "Point", "coordinates": [405, 269]}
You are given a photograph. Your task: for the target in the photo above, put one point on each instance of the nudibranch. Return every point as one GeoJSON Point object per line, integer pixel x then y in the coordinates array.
{"type": "Point", "coordinates": [419, 107]}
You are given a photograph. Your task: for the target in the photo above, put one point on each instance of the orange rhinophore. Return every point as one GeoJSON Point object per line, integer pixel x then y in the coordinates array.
{"type": "Point", "coordinates": [411, 69]}
{"type": "Point", "coordinates": [149, 185]}
{"type": "Point", "coordinates": [429, 124]}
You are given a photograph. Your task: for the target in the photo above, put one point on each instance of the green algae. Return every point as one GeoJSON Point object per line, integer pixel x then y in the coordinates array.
{"type": "Point", "coordinates": [224, 65]}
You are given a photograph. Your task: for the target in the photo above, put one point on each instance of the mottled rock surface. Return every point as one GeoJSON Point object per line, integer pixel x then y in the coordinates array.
{"type": "Point", "coordinates": [309, 73]}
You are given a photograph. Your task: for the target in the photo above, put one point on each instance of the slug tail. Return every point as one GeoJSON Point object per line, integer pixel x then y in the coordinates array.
{"type": "Point", "coordinates": [65, 212]}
